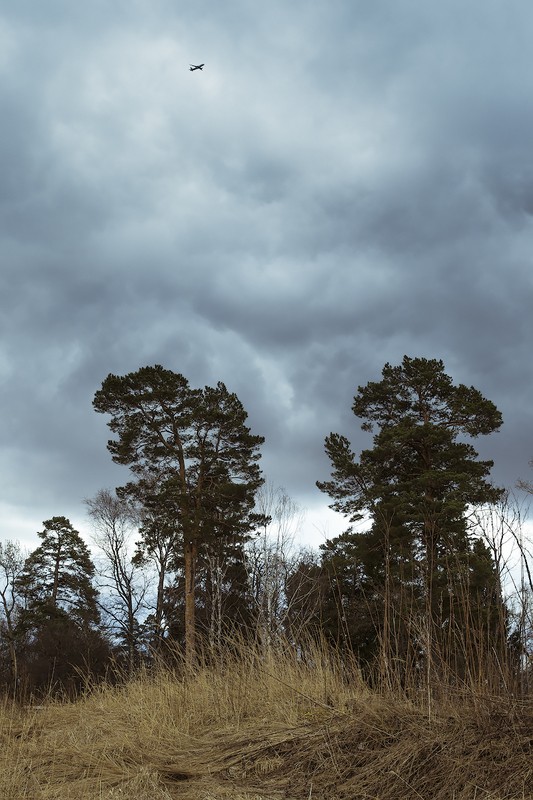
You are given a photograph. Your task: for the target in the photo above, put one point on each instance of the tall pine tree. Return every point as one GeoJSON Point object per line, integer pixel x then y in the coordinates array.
{"type": "Point", "coordinates": [196, 444]}
{"type": "Point", "coordinates": [415, 484]}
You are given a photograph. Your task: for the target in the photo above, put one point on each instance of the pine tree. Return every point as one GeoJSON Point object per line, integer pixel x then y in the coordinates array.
{"type": "Point", "coordinates": [57, 576]}
{"type": "Point", "coordinates": [57, 622]}
{"type": "Point", "coordinates": [416, 484]}
{"type": "Point", "coordinates": [196, 444]}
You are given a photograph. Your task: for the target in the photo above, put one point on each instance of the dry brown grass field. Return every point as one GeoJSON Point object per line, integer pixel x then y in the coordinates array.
{"type": "Point", "coordinates": [251, 729]}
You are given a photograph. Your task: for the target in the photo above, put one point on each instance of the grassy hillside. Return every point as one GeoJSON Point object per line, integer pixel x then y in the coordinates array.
{"type": "Point", "coordinates": [254, 730]}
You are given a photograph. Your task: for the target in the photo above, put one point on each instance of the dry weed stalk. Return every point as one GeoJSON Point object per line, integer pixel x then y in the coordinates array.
{"type": "Point", "coordinates": [293, 726]}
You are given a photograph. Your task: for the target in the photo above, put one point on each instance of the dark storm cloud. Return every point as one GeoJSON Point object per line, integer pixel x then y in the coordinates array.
{"type": "Point", "coordinates": [343, 184]}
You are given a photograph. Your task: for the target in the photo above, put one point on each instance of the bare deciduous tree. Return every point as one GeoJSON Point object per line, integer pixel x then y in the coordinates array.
{"type": "Point", "coordinates": [122, 580]}
{"type": "Point", "coordinates": [12, 560]}
{"type": "Point", "coordinates": [271, 558]}
{"type": "Point", "coordinates": [501, 526]}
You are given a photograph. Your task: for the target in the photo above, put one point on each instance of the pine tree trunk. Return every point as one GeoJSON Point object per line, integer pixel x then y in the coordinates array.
{"type": "Point", "coordinates": [191, 550]}
{"type": "Point", "coordinates": [386, 638]}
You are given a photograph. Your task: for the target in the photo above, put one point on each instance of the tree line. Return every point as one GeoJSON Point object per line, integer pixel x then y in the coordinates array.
{"type": "Point", "coordinates": [195, 552]}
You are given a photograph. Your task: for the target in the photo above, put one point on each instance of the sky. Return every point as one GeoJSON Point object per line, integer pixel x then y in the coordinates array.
{"type": "Point", "coordinates": [346, 182]}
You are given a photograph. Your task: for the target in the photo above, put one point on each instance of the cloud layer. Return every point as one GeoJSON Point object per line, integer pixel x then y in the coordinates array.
{"type": "Point", "coordinates": [342, 185]}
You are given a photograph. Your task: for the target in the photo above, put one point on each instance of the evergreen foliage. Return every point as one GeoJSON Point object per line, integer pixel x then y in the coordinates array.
{"type": "Point", "coordinates": [409, 573]}
{"type": "Point", "coordinates": [57, 576]}
{"type": "Point", "coordinates": [413, 588]}
{"type": "Point", "coordinates": [195, 443]}
{"type": "Point", "coordinates": [58, 635]}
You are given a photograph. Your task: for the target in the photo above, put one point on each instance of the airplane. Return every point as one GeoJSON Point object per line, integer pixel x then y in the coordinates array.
{"type": "Point", "coordinates": [192, 67]}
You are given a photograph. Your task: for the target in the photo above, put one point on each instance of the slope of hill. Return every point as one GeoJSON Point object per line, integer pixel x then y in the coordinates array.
{"type": "Point", "coordinates": [254, 730]}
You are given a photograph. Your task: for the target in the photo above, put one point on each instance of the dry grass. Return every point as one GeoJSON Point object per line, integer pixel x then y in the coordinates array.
{"type": "Point", "coordinates": [248, 730]}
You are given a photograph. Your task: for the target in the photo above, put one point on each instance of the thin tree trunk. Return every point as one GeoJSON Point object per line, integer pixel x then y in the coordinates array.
{"type": "Point", "coordinates": [159, 609]}
{"type": "Point", "coordinates": [55, 586]}
{"type": "Point", "coordinates": [386, 640]}
{"type": "Point", "coordinates": [12, 655]}
{"type": "Point", "coordinates": [431, 562]}
{"type": "Point", "coordinates": [191, 550]}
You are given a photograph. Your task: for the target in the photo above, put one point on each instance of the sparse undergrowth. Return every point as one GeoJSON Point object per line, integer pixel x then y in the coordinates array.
{"type": "Point", "coordinates": [253, 730]}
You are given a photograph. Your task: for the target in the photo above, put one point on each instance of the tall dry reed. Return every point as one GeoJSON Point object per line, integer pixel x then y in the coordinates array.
{"type": "Point", "coordinates": [298, 724]}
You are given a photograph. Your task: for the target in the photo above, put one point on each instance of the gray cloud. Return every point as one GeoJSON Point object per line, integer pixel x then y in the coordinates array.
{"type": "Point", "coordinates": [343, 184]}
